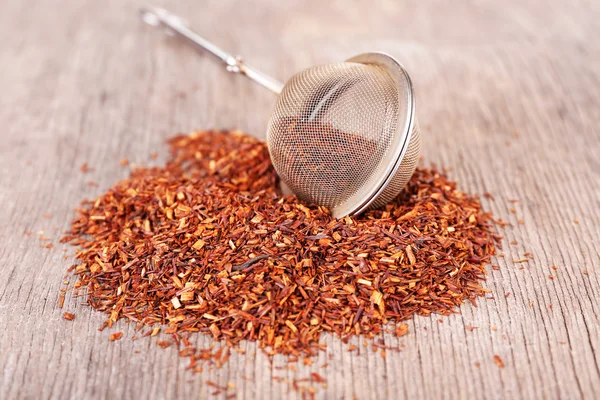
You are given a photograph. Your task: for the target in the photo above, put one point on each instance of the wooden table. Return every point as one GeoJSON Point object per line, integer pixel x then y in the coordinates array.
{"type": "Point", "coordinates": [508, 98]}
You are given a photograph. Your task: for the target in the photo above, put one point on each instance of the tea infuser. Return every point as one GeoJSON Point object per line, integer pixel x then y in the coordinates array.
{"type": "Point", "coordinates": [342, 135]}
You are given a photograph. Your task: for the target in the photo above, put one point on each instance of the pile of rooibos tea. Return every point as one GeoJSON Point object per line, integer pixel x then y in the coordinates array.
{"type": "Point", "coordinates": [208, 244]}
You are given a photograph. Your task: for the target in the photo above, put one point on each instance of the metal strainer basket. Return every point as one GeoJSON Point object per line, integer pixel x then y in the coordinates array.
{"type": "Point", "coordinates": [342, 135]}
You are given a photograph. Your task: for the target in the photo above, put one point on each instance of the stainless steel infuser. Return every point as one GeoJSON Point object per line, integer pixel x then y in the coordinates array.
{"type": "Point", "coordinates": [342, 135]}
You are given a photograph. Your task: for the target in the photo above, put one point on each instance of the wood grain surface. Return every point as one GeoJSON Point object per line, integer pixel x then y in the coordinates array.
{"type": "Point", "coordinates": [508, 96]}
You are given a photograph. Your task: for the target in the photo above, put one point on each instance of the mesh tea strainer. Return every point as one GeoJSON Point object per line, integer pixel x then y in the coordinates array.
{"type": "Point", "coordinates": [342, 135]}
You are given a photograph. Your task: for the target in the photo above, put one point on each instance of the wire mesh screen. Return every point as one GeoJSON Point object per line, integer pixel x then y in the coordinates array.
{"type": "Point", "coordinates": [330, 129]}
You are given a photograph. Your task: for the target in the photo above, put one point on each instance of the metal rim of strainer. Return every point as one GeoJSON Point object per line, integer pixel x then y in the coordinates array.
{"type": "Point", "coordinates": [390, 163]}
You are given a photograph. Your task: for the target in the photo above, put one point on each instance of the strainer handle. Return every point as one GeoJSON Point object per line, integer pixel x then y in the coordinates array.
{"type": "Point", "coordinates": [175, 26]}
